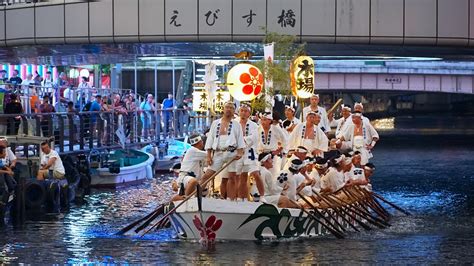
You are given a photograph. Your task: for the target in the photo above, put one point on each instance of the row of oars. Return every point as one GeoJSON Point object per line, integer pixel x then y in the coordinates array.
{"type": "Point", "coordinates": [351, 206]}
{"type": "Point", "coordinates": [143, 224]}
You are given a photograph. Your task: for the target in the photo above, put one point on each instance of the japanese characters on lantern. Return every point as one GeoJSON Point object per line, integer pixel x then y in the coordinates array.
{"type": "Point", "coordinates": [302, 77]}
{"type": "Point", "coordinates": [245, 82]}
{"type": "Point", "coordinates": [201, 101]}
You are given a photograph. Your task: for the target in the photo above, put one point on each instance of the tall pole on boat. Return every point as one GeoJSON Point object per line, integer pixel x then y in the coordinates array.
{"type": "Point", "coordinates": [157, 135]}
{"type": "Point", "coordinates": [135, 117]}
{"type": "Point", "coordinates": [174, 97]}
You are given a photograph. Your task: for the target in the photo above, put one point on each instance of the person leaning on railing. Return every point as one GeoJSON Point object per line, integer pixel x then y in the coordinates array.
{"type": "Point", "coordinates": [13, 107]}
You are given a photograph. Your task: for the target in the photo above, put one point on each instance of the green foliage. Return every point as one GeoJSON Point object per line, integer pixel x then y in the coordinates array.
{"type": "Point", "coordinates": [286, 49]}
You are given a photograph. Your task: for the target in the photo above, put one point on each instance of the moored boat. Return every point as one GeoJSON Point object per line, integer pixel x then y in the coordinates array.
{"type": "Point", "coordinates": [120, 168]}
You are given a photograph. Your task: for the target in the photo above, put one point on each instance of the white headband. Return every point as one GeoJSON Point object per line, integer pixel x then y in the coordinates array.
{"type": "Point", "coordinates": [315, 95]}
{"type": "Point", "coordinates": [245, 105]}
{"type": "Point", "coordinates": [264, 159]}
{"type": "Point", "coordinates": [195, 140]}
{"type": "Point", "coordinates": [296, 166]}
{"type": "Point", "coordinates": [301, 149]}
{"type": "Point", "coordinates": [339, 159]}
{"type": "Point", "coordinates": [312, 113]}
{"type": "Point", "coordinates": [360, 104]}
{"type": "Point", "coordinates": [347, 160]}
{"type": "Point", "coordinates": [321, 166]}
{"type": "Point", "coordinates": [346, 107]}
{"type": "Point", "coordinates": [289, 107]}
{"type": "Point", "coordinates": [368, 168]}
{"type": "Point", "coordinates": [267, 116]}
{"type": "Point", "coordinates": [357, 114]}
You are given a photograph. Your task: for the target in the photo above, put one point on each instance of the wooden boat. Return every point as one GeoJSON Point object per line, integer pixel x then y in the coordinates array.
{"type": "Point", "coordinates": [120, 168]}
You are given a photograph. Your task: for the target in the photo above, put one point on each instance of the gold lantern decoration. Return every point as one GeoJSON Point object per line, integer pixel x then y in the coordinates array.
{"type": "Point", "coordinates": [245, 82]}
{"type": "Point", "coordinates": [302, 77]}
{"type": "Point", "coordinates": [221, 98]}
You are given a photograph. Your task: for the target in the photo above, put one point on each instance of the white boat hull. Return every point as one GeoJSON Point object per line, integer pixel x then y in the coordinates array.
{"type": "Point", "coordinates": [129, 175]}
{"type": "Point", "coordinates": [243, 221]}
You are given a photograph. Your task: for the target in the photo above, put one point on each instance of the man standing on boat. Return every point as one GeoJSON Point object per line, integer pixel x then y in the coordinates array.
{"type": "Point", "coordinates": [362, 137]}
{"type": "Point", "coordinates": [314, 101]}
{"type": "Point", "coordinates": [291, 121]}
{"type": "Point", "coordinates": [225, 142]}
{"type": "Point", "coordinates": [342, 125]}
{"type": "Point", "coordinates": [248, 164]}
{"type": "Point", "coordinates": [310, 136]}
{"type": "Point", "coordinates": [273, 139]}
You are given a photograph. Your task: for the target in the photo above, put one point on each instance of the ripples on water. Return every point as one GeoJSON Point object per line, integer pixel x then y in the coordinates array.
{"type": "Point", "coordinates": [432, 178]}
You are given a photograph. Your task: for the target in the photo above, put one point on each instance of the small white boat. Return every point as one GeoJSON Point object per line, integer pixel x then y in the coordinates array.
{"type": "Point", "coordinates": [168, 153]}
{"type": "Point", "coordinates": [120, 168]}
{"type": "Point", "coordinates": [228, 220]}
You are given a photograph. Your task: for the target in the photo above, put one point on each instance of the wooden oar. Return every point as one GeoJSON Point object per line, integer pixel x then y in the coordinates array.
{"type": "Point", "coordinates": [352, 193]}
{"type": "Point", "coordinates": [341, 209]}
{"type": "Point", "coordinates": [133, 224]}
{"type": "Point", "coordinates": [390, 203]}
{"type": "Point", "coordinates": [334, 228]}
{"type": "Point", "coordinates": [152, 218]}
{"type": "Point", "coordinates": [371, 199]}
{"type": "Point", "coordinates": [353, 207]}
{"type": "Point", "coordinates": [204, 184]}
{"type": "Point", "coordinates": [312, 216]}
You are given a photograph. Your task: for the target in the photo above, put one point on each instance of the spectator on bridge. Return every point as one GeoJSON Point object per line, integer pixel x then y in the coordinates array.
{"type": "Point", "coordinates": [84, 93]}
{"type": "Point", "coordinates": [3, 78]}
{"type": "Point", "coordinates": [14, 79]}
{"type": "Point", "coordinates": [48, 87]}
{"type": "Point", "coordinates": [61, 85]}
{"type": "Point", "coordinates": [13, 107]}
{"type": "Point", "coordinates": [46, 120]}
{"type": "Point", "coordinates": [168, 105]}
{"type": "Point", "coordinates": [147, 107]}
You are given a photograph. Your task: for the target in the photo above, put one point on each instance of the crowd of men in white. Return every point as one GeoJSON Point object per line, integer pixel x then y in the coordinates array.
{"type": "Point", "coordinates": [284, 159]}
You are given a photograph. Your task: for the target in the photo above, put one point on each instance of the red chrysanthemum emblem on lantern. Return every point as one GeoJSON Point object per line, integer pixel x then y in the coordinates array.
{"type": "Point", "coordinates": [254, 81]}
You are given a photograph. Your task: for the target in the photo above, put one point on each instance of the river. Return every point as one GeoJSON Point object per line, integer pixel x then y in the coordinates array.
{"type": "Point", "coordinates": [432, 177]}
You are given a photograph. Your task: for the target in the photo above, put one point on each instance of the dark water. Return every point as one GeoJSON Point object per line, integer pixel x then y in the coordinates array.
{"type": "Point", "coordinates": [432, 177]}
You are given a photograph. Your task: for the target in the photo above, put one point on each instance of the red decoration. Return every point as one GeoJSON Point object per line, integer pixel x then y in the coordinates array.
{"type": "Point", "coordinates": [254, 81]}
{"type": "Point", "coordinates": [209, 229]}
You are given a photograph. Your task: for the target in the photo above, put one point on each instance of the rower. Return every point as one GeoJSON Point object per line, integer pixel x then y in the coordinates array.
{"type": "Point", "coordinates": [225, 142]}
{"type": "Point", "coordinates": [314, 101]}
{"type": "Point", "coordinates": [309, 135]}
{"type": "Point", "coordinates": [356, 172]}
{"type": "Point", "coordinates": [273, 139]}
{"type": "Point", "coordinates": [291, 121]}
{"type": "Point", "coordinates": [362, 137]}
{"type": "Point", "coordinates": [369, 170]}
{"type": "Point", "coordinates": [248, 164]}
{"type": "Point", "coordinates": [333, 178]}
{"type": "Point", "coordinates": [272, 191]}
{"type": "Point", "coordinates": [359, 107]}
{"type": "Point", "coordinates": [300, 153]}
{"type": "Point", "coordinates": [190, 171]}
{"type": "Point", "coordinates": [288, 181]}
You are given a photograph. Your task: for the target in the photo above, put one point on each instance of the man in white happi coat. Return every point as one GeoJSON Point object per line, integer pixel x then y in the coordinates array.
{"type": "Point", "coordinates": [225, 142]}
{"type": "Point", "coordinates": [333, 179]}
{"type": "Point", "coordinates": [272, 191]}
{"type": "Point", "coordinates": [359, 107]}
{"type": "Point", "coordinates": [273, 139]}
{"type": "Point", "coordinates": [310, 136]}
{"type": "Point", "coordinates": [291, 121]}
{"type": "Point", "coordinates": [362, 137]}
{"type": "Point", "coordinates": [248, 164]}
{"type": "Point", "coordinates": [191, 167]}
{"type": "Point", "coordinates": [314, 101]}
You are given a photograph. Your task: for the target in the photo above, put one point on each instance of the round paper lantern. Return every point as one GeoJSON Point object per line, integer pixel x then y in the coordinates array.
{"type": "Point", "coordinates": [84, 73]}
{"type": "Point", "coordinates": [245, 82]}
{"type": "Point", "coordinates": [302, 77]}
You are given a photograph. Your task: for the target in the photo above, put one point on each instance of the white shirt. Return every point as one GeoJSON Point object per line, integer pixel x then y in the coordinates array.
{"type": "Point", "coordinates": [269, 142]}
{"type": "Point", "coordinates": [320, 141]}
{"type": "Point", "coordinates": [342, 124]}
{"type": "Point", "coordinates": [355, 173]}
{"type": "Point", "coordinates": [324, 117]}
{"type": "Point", "coordinates": [250, 132]}
{"type": "Point", "coordinates": [58, 164]}
{"type": "Point", "coordinates": [10, 156]}
{"type": "Point", "coordinates": [292, 183]}
{"type": "Point", "coordinates": [69, 94]}
{"type": "Point", "coordinates": [193, 161]}
{"type": "Point", "coordinates": [84, 89]}
{"type": "Point", "coordinates": [234, 132]}
{"type": "Point", "coordinates": [332, 179]}
{"type": "Point", "coordinates": [271, 188]}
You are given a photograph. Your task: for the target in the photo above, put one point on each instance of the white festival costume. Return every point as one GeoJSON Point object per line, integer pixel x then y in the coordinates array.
{"type": "Point", "coordinates": [272, 191]}
{"type": "Point", "coordinates": [322, 113]}
{"type": "Point", "coordinates": [332, 179]}
{"type": "Point", "coordinates": [249, 162]}
{"type": "Point", "coordinates": [320, 141]}
{"type": "Point", "coordinates": [269, 143]}
{"type": "Point", "coordinates": [359, 143]}
{"type": "Point", "coordinates": [219, 143]}
{"type": "Point", "coordinates": [193, 162]}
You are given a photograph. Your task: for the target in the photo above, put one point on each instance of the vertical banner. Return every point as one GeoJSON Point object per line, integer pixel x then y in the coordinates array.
{"type": "Point", "coordinates": [268, 55]}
